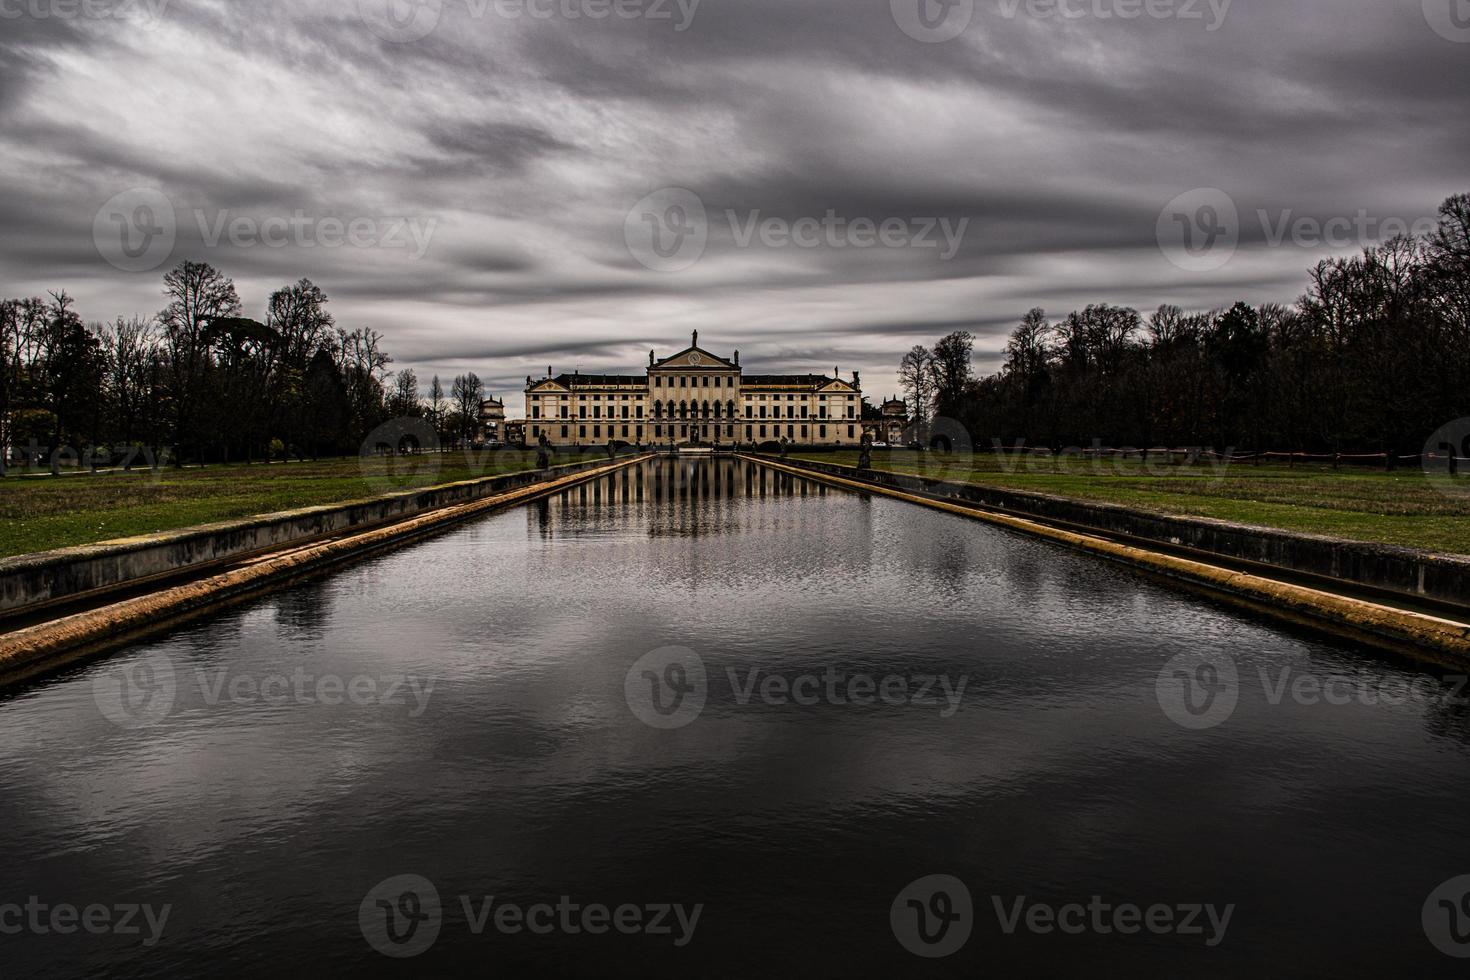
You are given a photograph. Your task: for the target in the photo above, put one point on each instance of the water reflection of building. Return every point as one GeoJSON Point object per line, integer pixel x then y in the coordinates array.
{"type": "Point", "coordinates": [694, 397]}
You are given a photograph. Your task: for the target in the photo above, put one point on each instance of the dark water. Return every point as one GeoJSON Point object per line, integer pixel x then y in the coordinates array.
{"type": "Point", "coordinates": [263, 819]}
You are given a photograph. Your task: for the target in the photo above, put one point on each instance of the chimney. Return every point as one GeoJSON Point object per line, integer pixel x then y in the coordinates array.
{"type": "Point", "coordinates": [857, 382]}
{"type": "Point", "coordinates": [737, 358]}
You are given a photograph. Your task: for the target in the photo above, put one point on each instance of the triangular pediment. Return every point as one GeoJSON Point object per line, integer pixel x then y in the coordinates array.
{"type": "Point", "coordinates": [548, 385]}
{"type": "Point", "coordinates": [837, 386]}
{"type": "Point", "coordinates": [696, 358]}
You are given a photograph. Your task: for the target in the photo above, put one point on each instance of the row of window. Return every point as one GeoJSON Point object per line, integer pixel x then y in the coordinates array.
{"type": "Point", "coordinates": [699, 381]}
{"type": "Point", "coordinates": [636, 431]}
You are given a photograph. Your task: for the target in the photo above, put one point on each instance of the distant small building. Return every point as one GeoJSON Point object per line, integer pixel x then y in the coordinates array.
{"type": "Point", "coordinates": [515, 432]}
{"type": "Point", "coordinates": [890, 424]}
{"type": "Point", "coordinates": [492, 420]}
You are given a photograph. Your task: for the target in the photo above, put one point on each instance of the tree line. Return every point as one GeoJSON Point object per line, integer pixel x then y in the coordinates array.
{"type": "Point", "coordinates": [201, 382]}
{"type": "Point", "coordinates": [1373, 357]}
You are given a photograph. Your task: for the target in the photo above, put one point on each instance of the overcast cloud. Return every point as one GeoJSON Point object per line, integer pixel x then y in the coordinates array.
{"type": "Point", "coordinates": [490, 171]}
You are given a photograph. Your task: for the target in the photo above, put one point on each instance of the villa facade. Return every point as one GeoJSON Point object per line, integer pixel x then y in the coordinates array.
{"type": "Point", "coordinates": [694, 396]}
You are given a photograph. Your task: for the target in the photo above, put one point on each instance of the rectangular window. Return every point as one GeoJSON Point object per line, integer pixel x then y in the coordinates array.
{"type": "Point", "coordinates": [748, 411]}
{"type": "Point", "coordinates": [535, 411]}
{"type": "Point", "coordinates": [803, 432]}
{"type": "Point", "coordinates": [625, 432]}
{"type": "Point", "coordinates": [564, 431]}
{"type": "Point", "coordinates": [581, 432]}
{"type": "Point", "coordinates": [597, 431]}
{"type": "Point", "coordinates": [763, 432]}
{"type": "Point", "coordinates": [849, 432]}
{"type": "Point", "coordinates": [640, 411]}
{"type": "Point", "coordinates": [822, 431]}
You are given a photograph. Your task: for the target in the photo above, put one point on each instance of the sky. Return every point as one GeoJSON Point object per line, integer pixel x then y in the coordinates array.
{"type": "Point", "coordinates": [503, 186]}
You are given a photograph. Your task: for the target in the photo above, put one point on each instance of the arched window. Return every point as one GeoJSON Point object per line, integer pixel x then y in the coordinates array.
{"type": "Point", "coordinates": [658, 409]}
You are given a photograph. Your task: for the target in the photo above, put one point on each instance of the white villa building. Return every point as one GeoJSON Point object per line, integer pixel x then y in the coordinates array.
{"type": "Point", "coordinates": [694, 397]}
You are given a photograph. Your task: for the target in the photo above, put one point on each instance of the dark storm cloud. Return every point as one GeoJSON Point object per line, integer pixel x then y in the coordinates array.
{"type": "Point", "coordinates": [518, 146]}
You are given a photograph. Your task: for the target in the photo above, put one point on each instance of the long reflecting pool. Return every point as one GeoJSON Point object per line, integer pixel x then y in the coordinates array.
{"type": "Point", "coordinates": [703, 719]}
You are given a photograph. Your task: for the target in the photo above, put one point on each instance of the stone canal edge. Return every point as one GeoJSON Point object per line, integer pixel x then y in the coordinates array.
{"type": "Point", "coordinates": [44, 647]}
{"type": "Point", "coordinates": [1441, 640]}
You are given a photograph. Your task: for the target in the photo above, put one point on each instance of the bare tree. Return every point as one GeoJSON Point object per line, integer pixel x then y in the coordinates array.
{"type": "Point", "coordinates": [916, 378]}
{"type": "Point", "coordinates": [405, 400]}
{"type": "Point", "coordinates": [197, 293]}
{"type": "Point", "coordinates": [467, 393]}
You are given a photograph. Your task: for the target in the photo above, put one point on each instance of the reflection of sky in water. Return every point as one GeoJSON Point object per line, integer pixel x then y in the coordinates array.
{"type": "Point", "coordinates": [1059, 775]}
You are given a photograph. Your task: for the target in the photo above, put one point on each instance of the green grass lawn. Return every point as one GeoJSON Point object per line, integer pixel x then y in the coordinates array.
{"type": "Point", "coordinates": [39, 512]}
{"type": "Point", "coordinates": [1406, 508]}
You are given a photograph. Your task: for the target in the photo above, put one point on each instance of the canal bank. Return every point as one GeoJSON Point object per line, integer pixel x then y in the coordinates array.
{"type": "Point", "coordinates": [236, 561]}
{"type": "Point", "coordinates": [1397, 597]}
